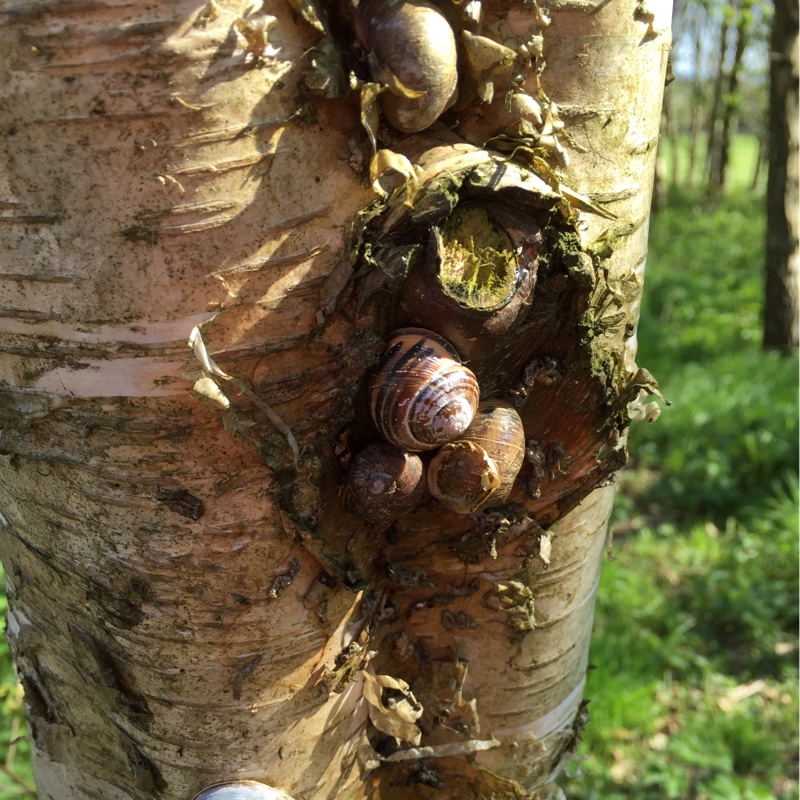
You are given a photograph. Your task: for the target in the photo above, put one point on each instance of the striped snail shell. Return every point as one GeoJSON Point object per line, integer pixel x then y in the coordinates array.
{"type": "Point", "coordinates": [478, 470]}
{"type": "Point", "coordinates": [421, 395]}
{"type": "Point", "coordinates": [412, 51]}
{"type": "Point", "coordinates": [241, 790]}
{"type": "Point", "coordinates": [385, 482]}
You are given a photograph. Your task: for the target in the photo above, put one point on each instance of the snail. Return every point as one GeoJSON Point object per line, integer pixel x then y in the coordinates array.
{"type": "Point", "coordinates": [478, 470]}
{"type": "Point", "coordinates": [385, 482]}
{"type": "Point", "coordinates": [241, 790]}
{"type": "Point", "coordinates": [421, 395]}
{"type": "Point", "coordinates": [476, 280]}
{"type": "Point", "coordinates": [412, 51]}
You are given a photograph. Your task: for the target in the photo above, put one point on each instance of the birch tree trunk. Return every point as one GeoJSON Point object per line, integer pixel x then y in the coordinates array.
{"type": "Point", "coordinates": [190, 598]}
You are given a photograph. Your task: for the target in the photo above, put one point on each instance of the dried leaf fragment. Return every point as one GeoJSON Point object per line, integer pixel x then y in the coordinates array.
{"type": "Point", "coordinates": [393, 709]}
{"type": "Point", "coordinates": [308, 11]}
{"type": "Point", "coordinates": [525, 107]}
{"type": "Point", "coordinates": [490, 63]}
{"type": "Point", "coordinates": [255, 32]}
{"type": "Point", "coordinates": [370, 111]}
{"type": "Point", "coordinates": [388, 161]}
{"type": "Point", "coordinates": [211, 368]}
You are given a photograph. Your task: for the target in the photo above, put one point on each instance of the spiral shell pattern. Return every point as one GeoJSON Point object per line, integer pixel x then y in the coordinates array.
{"type": "Point", "coordinates": [385, 482]}
{"type": "Point", "coordinates": [421, 395]}
{"type": "Point", "coordinates": [478, 470]}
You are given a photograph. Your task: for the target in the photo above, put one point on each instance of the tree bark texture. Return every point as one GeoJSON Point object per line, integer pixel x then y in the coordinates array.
{"type": "Point", "coordinates": [781, 302]}
{"type": "Point", "coordinates": [190, 598]}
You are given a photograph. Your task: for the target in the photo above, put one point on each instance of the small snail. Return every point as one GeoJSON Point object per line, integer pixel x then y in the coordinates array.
{"type": "Point", "coordinates": [241, 790]}
{"type": "Point", "coordinates": [385, 482]}
{"type": "Point", "coordinates": [421, 395]}
{"type": "Point", "coordinates": [412, 51]}
{"type": "Point", "coordinates": [476, 280]}
{"type": "Point", "coordinates": [478, 470]}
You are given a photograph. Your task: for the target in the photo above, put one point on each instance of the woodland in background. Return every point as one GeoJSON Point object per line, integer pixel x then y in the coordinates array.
{"type": "Point", "coordinates": [721, 74]}
{"type": "Point", "coordinates": [695, 644]}
{"type": "Point", "coordinates": [736, 68]}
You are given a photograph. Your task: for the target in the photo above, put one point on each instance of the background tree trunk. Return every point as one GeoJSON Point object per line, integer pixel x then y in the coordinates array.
{"type": "Point", "coordinates": [671, 135]}
{"type": "Point", "coordinates": [698, 94]}
{"type": "Point", "coordinates": [782, 269]}
{"type": "Point", "coordinates": [712, 147]}
{"type": "Point", "coordinates": [719, 162]}
{"type": "Point", "coordinates": [189, 601]}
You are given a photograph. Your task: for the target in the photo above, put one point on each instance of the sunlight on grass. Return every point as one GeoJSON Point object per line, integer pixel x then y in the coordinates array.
{"type": "Point", "coordinates": [694, 691]}
{"type": "Point", "coordinates": [741, 167]}
{"type": "Point", "coordinates": [16, 776]}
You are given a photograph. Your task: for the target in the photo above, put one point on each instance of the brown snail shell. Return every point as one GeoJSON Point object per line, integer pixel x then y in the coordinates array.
{"type": "Point", "coordinates": [385, 482]}
{"type": "Point", "coordinates": [421, 395]}
{"type": "Point", "coordinates": [476, 281]}
{"type": "Point", "coordinates": [241, 790]}
{"type": "Point", "coordinates": [478, 470]}
{"type": "Point", "coordinates": [412, 51]}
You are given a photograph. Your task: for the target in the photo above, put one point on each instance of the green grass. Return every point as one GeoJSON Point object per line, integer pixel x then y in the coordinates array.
{"type": "Point", "coordinates": [16, 776]}
{"type": "Point", "coordinates": [694, 694]}
{"type": "Point", "coordinates": [732, 429]}
{"type": "Point", "coordinates": [741, 166]}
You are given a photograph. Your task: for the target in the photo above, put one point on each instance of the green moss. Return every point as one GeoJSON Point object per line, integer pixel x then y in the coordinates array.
{"type": "Point", "coordinates": [477, 276]}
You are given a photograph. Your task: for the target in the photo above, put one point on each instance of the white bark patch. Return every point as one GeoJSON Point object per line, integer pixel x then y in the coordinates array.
{"type": "Point", "coordinates": [127, 377]}
{"type": "Point", "coordinates": [558, 719]}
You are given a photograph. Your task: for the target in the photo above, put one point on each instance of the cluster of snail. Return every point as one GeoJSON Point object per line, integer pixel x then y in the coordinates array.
{"type": "Point", "coordinates": [424, 401]}
{"type": "Point", "coordinates": [422, 398]}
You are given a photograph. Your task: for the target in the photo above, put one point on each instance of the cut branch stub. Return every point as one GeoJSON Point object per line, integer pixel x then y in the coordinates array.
{"type": "Point", "coordinates": [476, 279]}
{"type": "Point", "coordinates": [505, 278]}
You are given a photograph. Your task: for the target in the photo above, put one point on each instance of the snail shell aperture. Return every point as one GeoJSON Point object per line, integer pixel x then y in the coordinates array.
{"type": "Point", "coordinates": [241, 790]}
{"type": "Point", "coordinates": [478, 470]}
{"type": "Point", "coordinates": [421, 395]}
{"type": "Point", "coordinates": [385, 482]}
{"type": "Point", "coordinates": [412, 51]}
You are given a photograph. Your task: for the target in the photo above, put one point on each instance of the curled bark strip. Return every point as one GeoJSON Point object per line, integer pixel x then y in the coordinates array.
{"type": "Point", "coordinates": [210, 366]}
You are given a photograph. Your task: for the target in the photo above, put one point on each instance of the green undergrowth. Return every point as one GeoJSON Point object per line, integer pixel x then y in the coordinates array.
{"type": "Point", "coordinates": [16, 777]}
{"type": "Point", "coordinates": [694, 690]}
